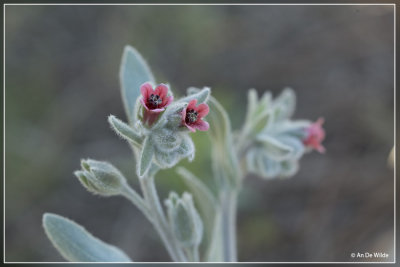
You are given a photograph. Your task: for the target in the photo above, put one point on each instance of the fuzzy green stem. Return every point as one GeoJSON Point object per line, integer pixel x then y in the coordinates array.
{"type": "Point", "coordinates": [228, 221]}
{"type": "Point", "coordinates": [196, 257]}
{"type": "Point", "coordinates": [136, 200]}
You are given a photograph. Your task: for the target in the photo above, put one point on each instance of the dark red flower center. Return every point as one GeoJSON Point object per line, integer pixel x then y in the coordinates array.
{"type": "Point", "coordinates": [154, 101]}
{"type": "Point", "coordinates": [191, 116]}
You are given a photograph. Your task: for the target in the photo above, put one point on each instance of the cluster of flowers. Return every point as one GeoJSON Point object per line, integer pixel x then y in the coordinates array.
{"type": "Point", "coordinates": [156, 100]}
{"type": "Point", "coordinates": [271, 142]}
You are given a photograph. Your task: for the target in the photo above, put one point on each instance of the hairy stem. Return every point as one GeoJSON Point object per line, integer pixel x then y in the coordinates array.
{"type": "Point", "coordinates": [192, 253]}
{"type": "Point", "coordinates": [136, 200]}
{"type": "Point", "coordinates": [196, 257]}
{"type": "Point", "coordinates": [228, 221]}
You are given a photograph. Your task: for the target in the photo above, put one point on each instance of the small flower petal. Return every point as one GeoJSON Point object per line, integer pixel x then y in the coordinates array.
{"type": "Point", "coordinates": [146, 89]}
{"type": "Point", "coordinates": [202, 110]}
{"type": "Point", "coordinates": [315, 135]}
{"type": "Point", "coordinates": [161, 90]}
{"type": "Point", "coordinates": [201, 125]}
{"type": "Point", "coordinates": [167, 100]}
{"type": "Point", "coordinates": [192, 129]}
{"type": "Point", "coordinates": [192, 104]}
{"type": "Point", "coordinates": [191, 116]}
{"type": "Point", "coordinates": [143, 103]}
{"type": "Point", "coordinates": [156, 110]}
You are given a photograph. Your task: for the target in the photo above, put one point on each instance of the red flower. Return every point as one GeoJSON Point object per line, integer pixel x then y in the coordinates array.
{"type": "Point", "coordinates": [315, 135]}
{"type": "Point", "coordinates": [192, 116]}
{"type": "Point", "coordinates": [154, 101]}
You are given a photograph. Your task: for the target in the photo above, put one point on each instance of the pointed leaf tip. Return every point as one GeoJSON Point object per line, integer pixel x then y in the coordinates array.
{"type": "Point", "coordinates": [134, 71]}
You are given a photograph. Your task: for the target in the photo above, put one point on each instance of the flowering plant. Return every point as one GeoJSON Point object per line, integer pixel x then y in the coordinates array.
{"type": "Point", "coordinates": [200, 225]}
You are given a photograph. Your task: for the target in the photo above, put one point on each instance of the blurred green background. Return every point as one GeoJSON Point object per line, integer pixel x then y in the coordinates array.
{"type": "Point", "coordinates": [62, 66]}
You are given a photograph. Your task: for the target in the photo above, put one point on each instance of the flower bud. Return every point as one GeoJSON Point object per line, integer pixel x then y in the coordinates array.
{"type": "Point", "coordinates": [100, 177]}
{"type": "Point", "coordinates": [184, 219]}
{"type": "Point", "coordinates": [275, 143]}
{"type": "Point", "coordinates": [315, 135]}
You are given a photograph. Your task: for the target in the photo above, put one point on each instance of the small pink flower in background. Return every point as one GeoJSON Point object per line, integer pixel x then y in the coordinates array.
{"type": "Point", "coordinates": [154, 101]}
{"type": "Point", "coordinates": [192, 116]}
{"type": "Point", "coordinates": [315, 135]}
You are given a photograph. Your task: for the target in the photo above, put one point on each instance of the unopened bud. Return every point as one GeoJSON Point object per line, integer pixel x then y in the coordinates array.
{"type": "Point", "coordinates": [100, 177]}
{"type": "Point", "coordinates": [185, 221]}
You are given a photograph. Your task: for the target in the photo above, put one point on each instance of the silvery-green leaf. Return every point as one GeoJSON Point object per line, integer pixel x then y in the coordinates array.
{"type": "Point", "coordinates": [252, 103]}
{"type": "Point", "coordinates": [289, 168]}
{"type": "Point", "coordinates": [294, 128]}
{"type": "Point", "coordinates": [275, 149]}
{"type": "Point", "coordinates": [137, 112]}
{"type": "Point", "coordinates": [272, 168]}
{"type": "Point", "coordinates": [266, 100]}
{"type": "Point", "coordinates": [166, 160]}
{"type": "Point", "coordinates": [172, 110]}
{"type": "Point", "coordinates": [169, 158]}
{"type": "Point", "coordinates": [183, 226]}
{"type": "Point", "coordinates": [175, 122]}
{"type": "Point", "coordinates": [205, 200]}
{"type": "Point", "coordinates": [224, 159]}
{"type": "Point", "coordinates": [187, 148]}
{"type": "Point", "coordinates": [185, 222]}
{"type": "Point", "coordinates": [197, 221]}
{"type": "Point", "coordinates": [146, 157]}
{"type": "Point", "coordinates": [267, 167]}
{"type": "Point", "coordinates": [195, 93]}
{"type": "Point", "coordinates": [138, 125]}
{"type": "Point", "coordinates": [285, 104]}
{"type": "Point", "coordinates": [295, 143]}
{"type": "Point", "coordinates": [134, 71]}
{"type": "Point", "coordinates": [260, 121]}
{"type": "Point", "coordinates": [166, 140]}
{"type": "Point", "coordinates": [76, 244]}
{"type": "Point", "coordinates": [201, 193]}
{"type": "Point", "coordinates": [124, 130]}
{"type": "Point", "coordinates": [215, 249]}
{"type": "Point", "coordinates": [251, 156]}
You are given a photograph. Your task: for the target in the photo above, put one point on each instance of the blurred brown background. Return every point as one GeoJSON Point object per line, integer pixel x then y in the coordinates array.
{"type": "Point", "coordinates": [62, 67]}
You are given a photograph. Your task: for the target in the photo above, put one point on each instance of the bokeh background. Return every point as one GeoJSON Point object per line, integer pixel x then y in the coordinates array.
{"type": "Point", "coordinates": [62, 67]}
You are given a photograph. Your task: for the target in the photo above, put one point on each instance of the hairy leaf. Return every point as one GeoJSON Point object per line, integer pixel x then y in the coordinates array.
{"type": "Point", "coordinates": [76, 244]}
{"type": "Point", "coordinates": [146, 156]}
{"type": "Point", "coordinates": [205, 201]}
{"type": "Point", "coordinates": [201, 95]}
{"type": "Point", "coordinates": [134, 71]}
{"type": "Point", "coordinates": [225, 163]}
{"type": "Point", "coordinates": [124, 130]}
{"type": "Point", "coordinates": [275, 148]}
